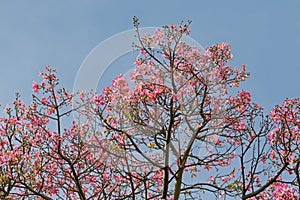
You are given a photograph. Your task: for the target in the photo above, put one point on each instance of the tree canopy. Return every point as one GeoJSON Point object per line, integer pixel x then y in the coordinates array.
{"type": "Point", "coordinates": [175, 130]}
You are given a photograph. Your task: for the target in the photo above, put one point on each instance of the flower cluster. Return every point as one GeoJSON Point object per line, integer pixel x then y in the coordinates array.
{"type": "Point", "coordinates": [220, 53]}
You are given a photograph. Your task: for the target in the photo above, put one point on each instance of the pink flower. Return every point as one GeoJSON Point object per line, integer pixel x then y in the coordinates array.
{"type": "Point", "coordinates": [35, 87]}
{"type": "Point", "coordinates": [44, 100]}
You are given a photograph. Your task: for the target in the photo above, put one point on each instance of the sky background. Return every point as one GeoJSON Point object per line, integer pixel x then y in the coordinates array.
{"type": "Point", "coordinates": [264, 35]}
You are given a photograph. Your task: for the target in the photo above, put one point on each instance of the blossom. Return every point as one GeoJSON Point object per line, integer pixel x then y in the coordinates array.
{"type": "Point", "coordinates": [35, 87]}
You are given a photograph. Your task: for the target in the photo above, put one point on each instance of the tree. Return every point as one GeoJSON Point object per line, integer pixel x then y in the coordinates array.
{"type": "Point", "coordinates": [171, 132]}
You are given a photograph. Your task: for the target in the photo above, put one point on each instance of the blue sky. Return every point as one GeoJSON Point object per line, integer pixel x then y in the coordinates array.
{"type": "Point", "coordinates": [264, 35]}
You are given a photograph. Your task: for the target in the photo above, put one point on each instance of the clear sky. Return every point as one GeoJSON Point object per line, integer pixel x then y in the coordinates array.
{"type": "Point", "coordinates": [264, 35]}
